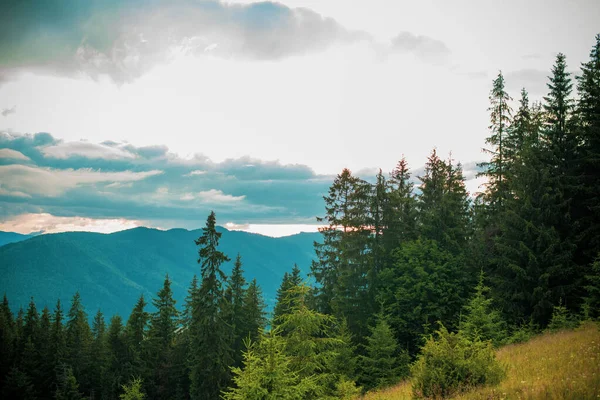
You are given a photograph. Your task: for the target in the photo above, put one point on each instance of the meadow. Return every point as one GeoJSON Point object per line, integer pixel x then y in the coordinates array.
{"type": "Point", "coordinates": [562, 365]}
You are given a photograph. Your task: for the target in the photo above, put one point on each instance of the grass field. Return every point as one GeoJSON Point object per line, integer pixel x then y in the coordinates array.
{"type": "Point", "coordinates": [562, 365]}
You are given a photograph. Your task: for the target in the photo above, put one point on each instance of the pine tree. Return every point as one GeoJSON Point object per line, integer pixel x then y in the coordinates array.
{"type": "Point", "coordinates": [78, 340]}
{"type": "Point", "coordinates": [160, 344]}
{"type": "Point", "coordinates": [58, 341]}
{"type": "Point", "coordinates": [288, 282]}
{"type": "Point", "coordinates": [46, 355]}
{"type": "Point", "coordinates": [588, 199]}
{"type": "Point", "coordinates": [235, 295]}
{"type": "Point", "coordinates": [68, 388]}
{"type": "Point", "coordinates": [496, 169]}
{"type": "Point", "coordinates": [7, 339]}
{"type": "Point", "coordinates": [268, 374]}
{"type": "Point", "coordinates": [98, 352]}
{"type": "Point", "coordinates": [18, 385]}
{"type": "Point", "coordinates": [481, 321]}
{"type": "Point", "coordinates": [135, 334]}
{"type": "Point", "coordinates": [118, 367]}
{"type": "Point", "coordinates": [210, 352]}
{"type": "Point", "coordinates": [383, 364]}
{"type": "Point", "coordinates": [253, 309]}
{"type": "Point", "coordinates": [401, 213]}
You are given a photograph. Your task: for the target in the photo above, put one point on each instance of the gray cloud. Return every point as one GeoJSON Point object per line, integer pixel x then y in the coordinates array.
{"type": "Point", "coordinates": [83, 179]}
{"type": "Point", "coordinates": [124, 39]}
{"type": "Point", "coordinates": [424, 47]}
{"type": "Point", "coordinates": [7, 111]}
{"type": "Point", "coordinates": [533, 80]}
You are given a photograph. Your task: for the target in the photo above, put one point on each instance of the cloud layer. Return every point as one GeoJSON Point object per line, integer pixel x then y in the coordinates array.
{"type": "Point", "coordinates": [124, 39]}
{"type": "Point", "coordinates": [119, 181]}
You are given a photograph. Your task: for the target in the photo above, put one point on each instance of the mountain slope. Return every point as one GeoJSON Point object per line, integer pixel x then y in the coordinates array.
{"type": "Point", "coordinates": [11, 237]}
{"type": "Point", "coordinates": [111, 271]}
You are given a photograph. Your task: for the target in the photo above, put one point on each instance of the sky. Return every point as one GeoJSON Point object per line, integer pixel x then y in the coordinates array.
{"type": "Point", "coordinates": [116, 114]}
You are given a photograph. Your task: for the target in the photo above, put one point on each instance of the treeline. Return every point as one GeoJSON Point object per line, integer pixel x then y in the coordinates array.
{"type": "Point", "coordinates": [167, 354]}
{"type": "Point", "coordinates": [400, 259]}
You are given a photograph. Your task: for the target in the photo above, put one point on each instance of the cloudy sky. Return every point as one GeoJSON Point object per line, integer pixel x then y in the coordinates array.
{"type": "Point", "coordinates": [115, 114]}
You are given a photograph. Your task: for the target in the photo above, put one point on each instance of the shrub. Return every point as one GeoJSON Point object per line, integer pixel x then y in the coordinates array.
{"type": "Point", "coordinates": [452, 363]}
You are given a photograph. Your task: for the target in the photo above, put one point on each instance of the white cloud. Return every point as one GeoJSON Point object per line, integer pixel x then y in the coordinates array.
{"type": "Point", "coordinates": [53, 182]}
{"type": "Point", "coordinates": [217, 196]}
{"type": "Point", "coordinates": [47, 223]}
{"type": "Point", "coordinates": [13, 154]}
{"type": "Point", "coordinates": [85, 149]}
{"type": "Point", "coordinates": [195, 173]}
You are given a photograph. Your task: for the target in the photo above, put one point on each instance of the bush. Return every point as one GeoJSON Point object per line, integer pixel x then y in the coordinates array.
{"type": "Point", "coordinates": [521, 334]}
{"type": "Point", "coordinates": [453, 363]}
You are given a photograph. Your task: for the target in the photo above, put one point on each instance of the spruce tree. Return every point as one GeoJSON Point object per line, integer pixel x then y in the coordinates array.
{"type": "Point", "coordinates": [253, 309]}
{"type": "Point", "coordinates": [210, 352]}
{"type": "Point", "coordinates": [235, 295]}
{"type": "Point", "coordinates": [160, 344]}
{"type": "Point", "coordinates": [588, 199]}
{"type": "Point", "coordinates": [496, 169]}
{"type": "Point", "coordinates": [481, 321]}
{"type": "Point", "coordinates": [135, 334]}
{"type": "Point", "coordinates": [78, 340]}
{"type": "Point", "coordinates": [383, 363]}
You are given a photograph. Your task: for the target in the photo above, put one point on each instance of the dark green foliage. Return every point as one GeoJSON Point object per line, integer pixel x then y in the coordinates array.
{"type": "Point", "coordinates": [592, 300]}
{"type": "Point", "coordinates": [383, 363]}
{"type": "Point", "coordinates": [210, 350]}
{"type": "Point", "coordinates": [253, 310]}
{"type": "Point", "coordinates": [451, 363]}
{"type": "Point", "coordinates": [18, 385]}
{"type": "Point", "coordinates": [78, 343]}
{"type": "Point", "coordinates": [289, 281]}
{"type": "Point", "coordinates": [427, 284]}
{"type": "Point", "coordinates": [496, 169]}
{"type": "Point", "coordinates": [235, 295]}
{"type": "Point", "coordinates": [159, 346]}
{"type": "Point", "coordinates": [68, 388]}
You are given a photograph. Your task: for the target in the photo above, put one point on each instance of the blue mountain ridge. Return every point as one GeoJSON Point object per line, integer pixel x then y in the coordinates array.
{"type": "Point", "coordinates": [111, 271]}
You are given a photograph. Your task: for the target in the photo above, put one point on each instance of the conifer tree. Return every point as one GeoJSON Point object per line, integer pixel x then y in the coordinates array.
{"type": "Point", "coordinates": [160, 344]}
{"type": "Point", "coordinates": [383, 364]}
{"type": "Point", "coordinates": [7, 339]}
{"type": "Point", "coordinates": [496, 169]}
{"type": "Point", "coordinates": [401, 214]}
{"type": "Point", "coordinates": [253, 309]}
{"type": "Point", "coordinates": [588, 199]}
{"type": "Point", "coordinates": [135, 333]}
{"type": "Point", "coordinates": [235, 295]}
{"type": "Point", "coordinates": [288, 282]}
{"type": "Point", "coordinates": [98, 352]}
{"type": "Point", "coordinates": [68, 388]}
{"type": "Point", "coordinates": [210, 352]}
{"type": "Point", "coordinates": [481, 321]}
{"type": "Point", "coordinates": [118, 360]}
{"type": "Point", "coordinates": [78, 340]}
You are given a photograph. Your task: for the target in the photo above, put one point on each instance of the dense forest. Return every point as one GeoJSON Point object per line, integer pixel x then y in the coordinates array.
{"type": "Point", "coordinates": [401, 259]}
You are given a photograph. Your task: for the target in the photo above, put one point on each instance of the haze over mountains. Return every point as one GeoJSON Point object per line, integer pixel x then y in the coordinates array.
{"type": "Point", "coordinates": [111, 270]}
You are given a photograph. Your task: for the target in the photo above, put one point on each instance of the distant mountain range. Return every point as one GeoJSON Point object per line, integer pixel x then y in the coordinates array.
{"type": "Point", "coordinates": [12, 237]}
{"type": "Point", "coordinates": [110, 271]}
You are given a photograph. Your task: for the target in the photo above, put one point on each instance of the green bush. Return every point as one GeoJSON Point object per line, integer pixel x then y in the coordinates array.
{"type": "Point", "coordinates": [451, 363]}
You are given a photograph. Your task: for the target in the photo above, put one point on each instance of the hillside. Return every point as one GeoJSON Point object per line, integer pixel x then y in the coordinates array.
{"type": "Point", "coordinates": [112, 270]}
{"type": "Point", "coordinates": [11, 237]}
{"type": "Point", "coordinates": [561, 365]}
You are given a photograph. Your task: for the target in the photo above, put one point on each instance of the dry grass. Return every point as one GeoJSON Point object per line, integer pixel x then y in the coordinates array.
{"type": "Point", "coordinates": [563, 365]}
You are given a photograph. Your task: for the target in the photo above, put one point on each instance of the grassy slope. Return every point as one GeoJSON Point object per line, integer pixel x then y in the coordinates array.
{"type": "Point", "coordinates": [563, 365]}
